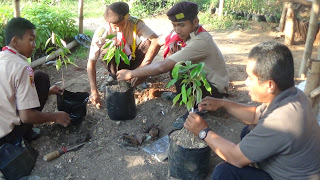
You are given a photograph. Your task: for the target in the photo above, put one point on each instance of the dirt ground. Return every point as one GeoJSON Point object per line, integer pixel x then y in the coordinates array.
{"type": "Point", "coordinates": [103, 157]}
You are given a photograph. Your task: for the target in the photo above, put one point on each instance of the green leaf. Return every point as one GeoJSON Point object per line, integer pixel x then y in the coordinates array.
{"type": "Point", "coordinates": [171, 83]}
{"type": "Point", "coordinates": [190, 103]}
{"type": "Point", "coordinates": [107, 45]}
{"type": "Point", "coordinates": [58, 64]}
{"type": "Point", "coordinates": [117, 56]}
{"type": "Point", "coordinates": [110, 36]}
{"type": "Point", "coordinates": [124, 58]}
{"type": "Point", "coordinates": [206, 84]}
{"type": "Point", "coordinates": [175, 71]}
{"type": "Point", "coordinates": [199, 95]}
{"type": "Point", "coordinates": [176, 99]}
{"type": "Point", "coordinates": [184, 93]}
{"type": "Point", "coordinates": [50, 49]}
{"type": "Point", "coordinates": [189, 91]}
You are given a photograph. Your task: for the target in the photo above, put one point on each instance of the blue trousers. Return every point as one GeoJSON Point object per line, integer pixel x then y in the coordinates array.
{"type": "Point", "coordinates": [226, 171]}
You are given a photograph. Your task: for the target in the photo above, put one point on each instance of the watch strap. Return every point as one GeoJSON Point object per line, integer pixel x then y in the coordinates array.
{"type": "Point", "coordinates": [206, 130]}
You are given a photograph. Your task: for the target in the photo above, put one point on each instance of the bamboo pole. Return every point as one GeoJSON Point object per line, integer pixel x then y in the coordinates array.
{"type": "Point", "coordinates": [44, 59]}
{"type": "Point", "coordinates": [80, 16]}
{"type": "Point", "coordinates": [283, 16]}
{"type": "Point", "coordinates": [221, 5]}
{"type": "Point", "coordinates": [313, 27]}
{"type": "Point", "coordinates": [16, 4]}
{"type": "Point", "coordinates": [313, 83]}
{"type": "Point", "coordinates": [289, 25]}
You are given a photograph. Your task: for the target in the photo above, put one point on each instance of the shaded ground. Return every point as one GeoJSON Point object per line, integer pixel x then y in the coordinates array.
{"type": "Point", "coordinates": [104, 157]}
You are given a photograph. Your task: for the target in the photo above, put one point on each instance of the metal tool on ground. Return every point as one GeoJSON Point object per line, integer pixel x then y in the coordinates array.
{"type": "Point", "coordinates": [56, 154]}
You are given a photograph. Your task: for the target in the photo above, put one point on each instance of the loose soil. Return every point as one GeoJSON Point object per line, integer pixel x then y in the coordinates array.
{"type": "Point", "coordinates": [105, 156]}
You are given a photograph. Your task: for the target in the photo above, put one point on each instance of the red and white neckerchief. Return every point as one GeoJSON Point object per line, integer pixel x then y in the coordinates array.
{"type": "Point", "coordinates": [174, 38]}
{"type": "Point", "coordinates": [9, 49]}
{"type": "Point", "coordinates": [29, 68]}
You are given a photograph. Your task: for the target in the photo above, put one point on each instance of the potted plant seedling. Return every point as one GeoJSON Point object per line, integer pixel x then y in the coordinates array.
{"type": "Point", "coordinates": [120, 97]}
{"type": "Point", "coordinates": [73, 103]}
{"type": "Point", "coordinates": [188, 155]}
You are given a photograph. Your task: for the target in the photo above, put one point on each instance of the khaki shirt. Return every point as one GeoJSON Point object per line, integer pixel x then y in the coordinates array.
{"type": "Point", "coordinates": [17, 89]}
{"type": "Point", "coordinates": [202, 48]}
{"type": "Point", "coordinates": [99, 37]}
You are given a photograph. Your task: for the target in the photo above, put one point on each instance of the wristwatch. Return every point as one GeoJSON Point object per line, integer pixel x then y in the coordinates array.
{"type": "Point", "coordinates": [203, 133]}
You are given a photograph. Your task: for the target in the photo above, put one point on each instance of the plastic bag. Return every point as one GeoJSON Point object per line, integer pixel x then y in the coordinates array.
{"type": "Point", "coordinates": [159, 148]}
{"type": "Point", "coordinates": [74, 103]}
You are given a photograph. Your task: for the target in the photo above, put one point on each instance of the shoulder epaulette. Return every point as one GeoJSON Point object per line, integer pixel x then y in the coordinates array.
{"type": "Point", "coordinates": [100, 33]}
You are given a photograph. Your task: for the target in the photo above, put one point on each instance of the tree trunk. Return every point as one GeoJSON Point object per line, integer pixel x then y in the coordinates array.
{"type": "Point", "coordinates": [16, 4]}
{"type": "Point", "coordinates": [221, 5]}
{"type": "Point", "coordinates": [312, 30]}
{"type": "Point", "coordinates": [80, 16]}
{"type": "Point", "coordinates": [283, 17]}
{"type": "Point", "coordinates": [289, 27]}
{"type": "Point", "coordinates": [313, 83]}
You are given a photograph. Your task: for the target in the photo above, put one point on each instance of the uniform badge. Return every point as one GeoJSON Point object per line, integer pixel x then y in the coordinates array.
{"type": "Point", "coordinates": [31, 76]}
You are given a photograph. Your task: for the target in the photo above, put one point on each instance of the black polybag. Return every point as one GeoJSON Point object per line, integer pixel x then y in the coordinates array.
{"type": "Point", "coordinates": [75, 104]}
{"type": "Point", "coordinates": [17, 160]}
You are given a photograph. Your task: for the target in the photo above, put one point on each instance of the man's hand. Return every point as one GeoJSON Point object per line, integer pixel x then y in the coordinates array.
{"type": "Point", "coordinates": [95, 100]}
{"type": "Point", "coordinates": [195, 123]}
{"type": "Point", "coordinates": [55, 90]}
{"type": "Point", "coordinates": [210, 104]}
{"type": "Point", "coordinates": [62, 118]}
{"type": "Point", "coordinates": [124, 74]}
{"type": "Point", "coordinates": [175, 48]}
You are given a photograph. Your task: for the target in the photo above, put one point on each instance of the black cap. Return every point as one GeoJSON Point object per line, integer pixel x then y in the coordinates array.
{"type": "Point", "coordinates": [183, 11]}
{"type": "Point", "coordinates": [116, 12]}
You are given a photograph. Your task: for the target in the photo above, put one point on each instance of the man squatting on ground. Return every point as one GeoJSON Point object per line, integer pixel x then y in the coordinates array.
{"type": "Point", "coordinates": [196, 46]}
{"type": "Point", "coordinates": [138, 48]}
{"type": "Point", "coordinates": [24, 92]}
{"type": "Point", "coordinates": [283, 137]}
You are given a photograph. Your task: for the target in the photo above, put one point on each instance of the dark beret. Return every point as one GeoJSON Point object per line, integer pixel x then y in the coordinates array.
{"type": "Point", "coordinates": [183, 11]}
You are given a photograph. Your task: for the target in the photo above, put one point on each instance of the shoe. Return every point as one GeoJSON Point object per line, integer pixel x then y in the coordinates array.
{"type": "Point", "coordinates": [35, 134]}
{"type": "Point", "coordinates": [83, 39]}
{"type": "Point", "coordinates": [169, 96]}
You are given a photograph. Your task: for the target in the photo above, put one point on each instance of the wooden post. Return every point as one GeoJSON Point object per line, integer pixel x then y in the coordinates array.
{"type": "Point", "coordinates": [313, 83]}
{"type": "Point", "coordinates": [289, 27]}
{"type": "Point", "coordinates": [16, 4]}
{"type": "Point", "coordinates": [312, 30]}
{"type": "Point", "coordinates": [221, 5]}
{"type": "Point", "coordinates": [80, 16]}
{"type": "Point", "coordinates": [283, 16]}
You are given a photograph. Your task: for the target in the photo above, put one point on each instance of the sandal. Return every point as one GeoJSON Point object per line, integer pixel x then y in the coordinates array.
{"type": "Point", "coordinates": [83, 39]}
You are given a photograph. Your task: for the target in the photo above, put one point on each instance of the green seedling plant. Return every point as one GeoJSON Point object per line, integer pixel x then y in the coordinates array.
{"type": "Point", "coordinates": [192, 77]}
{"type": "Point", "coordinates": [62, 58]}
{"type": "Point", "coordinates": [114, 50]}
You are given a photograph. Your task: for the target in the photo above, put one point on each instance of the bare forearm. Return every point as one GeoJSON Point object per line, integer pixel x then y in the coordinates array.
{"type": "Point", "coordinates": [155, 68]}
{"type": "Point", "coordinates": [36, 117]}
{"type": "Point", "coordinates": [91, 69]}
{"type": "Point", "coordinates": [151, 53]}
{"type": "Point", "coordinates": [226, 150]}
{"type": "Point", "coordinates": [244, 113]}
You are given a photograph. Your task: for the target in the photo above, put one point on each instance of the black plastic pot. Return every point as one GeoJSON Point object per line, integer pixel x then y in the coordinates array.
{"type": "Point", "coordinates": [121, 104]}
{"type": "Point", "coordinates": [74, 103]}
{"type": "Point", "coordinates": [185, 163]}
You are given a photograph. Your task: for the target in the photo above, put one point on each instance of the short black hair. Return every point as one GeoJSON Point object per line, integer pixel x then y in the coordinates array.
{"type": "Point", "coordinates": [120, 8]}
{"type": "Point", "coordinates": [17, 27]}
{"type": "Point", "coordinates": [183, 11]}
{"type": "Point", "coordinates": [274, 61]}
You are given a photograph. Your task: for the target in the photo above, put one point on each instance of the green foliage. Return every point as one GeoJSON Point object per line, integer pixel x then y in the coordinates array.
{"type": "Point", "coordinates": [114, 50]}
{"type": "Point", "coordinates": [192, 77]}
{"type": "Point", "coordinates": [63, 59]}
{"type": "Point", "coordinates": [50, 19]}
{"type": "Point", "coordinates": [6, 14]}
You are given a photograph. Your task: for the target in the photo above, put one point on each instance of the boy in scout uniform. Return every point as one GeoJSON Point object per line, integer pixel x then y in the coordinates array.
{"type": "Point", "coordinates": [131, 33]}
{"type": "Point", "coordinates": [189, 41]}
{"type": "Point", "coordinates": [24, 92]}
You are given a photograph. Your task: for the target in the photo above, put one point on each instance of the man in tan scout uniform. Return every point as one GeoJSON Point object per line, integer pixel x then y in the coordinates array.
{"type": "Point", "coordinates": [24, 92]}
{"type": "Point", "coordinates": [130, 32]}
{"type": "Point", "coordinates": [197, 46]}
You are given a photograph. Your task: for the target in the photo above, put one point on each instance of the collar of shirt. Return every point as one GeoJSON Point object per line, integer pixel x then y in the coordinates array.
{"type": "Point", "coordinates": [14, 51]}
